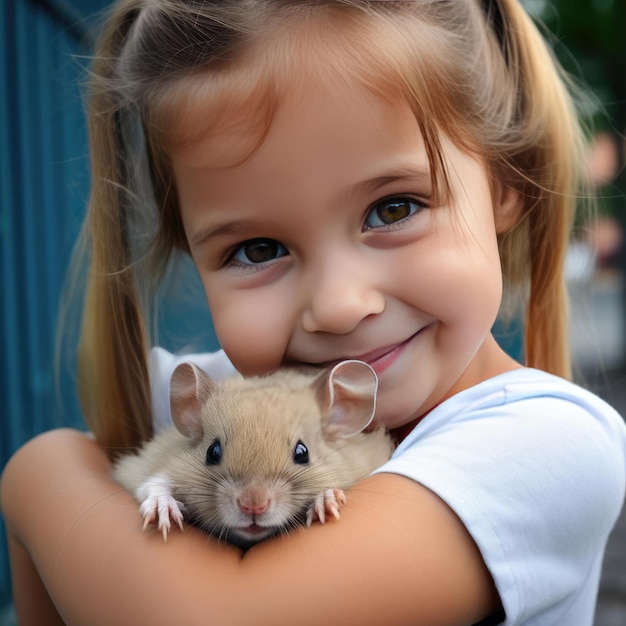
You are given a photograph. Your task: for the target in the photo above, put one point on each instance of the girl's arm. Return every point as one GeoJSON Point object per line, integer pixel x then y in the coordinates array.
{"type": "Point", "coordinates": [398, 555]}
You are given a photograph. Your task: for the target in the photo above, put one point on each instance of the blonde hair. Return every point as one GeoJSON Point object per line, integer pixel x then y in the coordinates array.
{"type": "Point", "coordinates": [483, 76]}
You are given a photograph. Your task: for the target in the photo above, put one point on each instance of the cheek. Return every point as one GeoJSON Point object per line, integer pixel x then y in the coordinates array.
{"type": "Point", "coordinates": [470, 288]}
{"type": "Point", "coordinates": [474, 296]}
{"type": "Point", "coordinates": [457, 281]}
{"type": "Point", "coordinates": [252, 327]}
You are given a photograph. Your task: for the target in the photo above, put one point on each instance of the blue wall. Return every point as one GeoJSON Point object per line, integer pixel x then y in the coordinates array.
{"type": "Point", "coordinates": [43, 190]}
{"type": "Point", "coordinates": [44, 186]}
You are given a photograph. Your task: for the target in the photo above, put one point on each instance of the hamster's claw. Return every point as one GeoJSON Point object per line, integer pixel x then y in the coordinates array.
{"type": "Point", "coordinates": [162, 510]}
{"type": "Point", "coordinates": [328, 502]}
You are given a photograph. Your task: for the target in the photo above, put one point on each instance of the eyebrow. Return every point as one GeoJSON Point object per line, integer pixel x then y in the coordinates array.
{"type": "Point", "coordinates": [227, 228]}
{"type": "Point", "coordinates": [397, 174]}
{"type": "Point", "coordinates": [364, 187]}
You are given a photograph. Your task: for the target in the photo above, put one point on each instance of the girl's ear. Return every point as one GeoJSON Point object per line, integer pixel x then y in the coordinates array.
{"type": "Point", "coordinates": [348, 397]}
{"type": "Point", "coordinates": [190, 388]}
{"type": "Point", "coordinates": [507, 209]}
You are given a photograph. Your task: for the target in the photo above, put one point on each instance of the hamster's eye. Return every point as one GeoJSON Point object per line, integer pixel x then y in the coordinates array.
{"type": "Point", "coordinates": [300, 454]}
{"type": "Point", "coordinates": [214, 453]}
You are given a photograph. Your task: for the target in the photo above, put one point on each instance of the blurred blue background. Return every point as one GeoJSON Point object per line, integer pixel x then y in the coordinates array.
{"type": "Point", "coordinates": [44, 186]}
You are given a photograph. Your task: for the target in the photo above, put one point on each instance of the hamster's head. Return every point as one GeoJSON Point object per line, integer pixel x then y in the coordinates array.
{"type": "Point", "coordinates": [269, 446]}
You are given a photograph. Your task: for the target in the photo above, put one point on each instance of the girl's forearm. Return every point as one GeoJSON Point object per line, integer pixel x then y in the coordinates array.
{"type": "Point", "coordinates": [83, 535]}
{"type": "Point", "coordinates": [32, 603]}
{"type": "Point", "coordinates": [24, 506]}
{"type": "Point", "coordinates": [72, 561]}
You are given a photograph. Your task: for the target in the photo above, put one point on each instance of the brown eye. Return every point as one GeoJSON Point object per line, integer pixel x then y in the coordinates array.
{"type": "Point", "coordinates": [391, 211]}
{"type": "Point", "coordinates": [257, 251]}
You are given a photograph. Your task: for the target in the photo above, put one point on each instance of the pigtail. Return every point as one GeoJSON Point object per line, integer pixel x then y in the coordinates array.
{"type": "Point", "coordinates": [112, 358]}
{"type": "Point", "coordinates": [548, 166]}
{"type": "Point", "coordinates": [133, 225]}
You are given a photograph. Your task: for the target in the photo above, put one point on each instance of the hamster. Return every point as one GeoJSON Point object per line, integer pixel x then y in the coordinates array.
{"type": "Point", "coordinates": [250, 458]}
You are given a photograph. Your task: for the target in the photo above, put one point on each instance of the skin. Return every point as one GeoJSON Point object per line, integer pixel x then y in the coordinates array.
{"type": "Point", "coordinates": [415, 297]}
{"type": "Point", "coordinates": [356, 261]}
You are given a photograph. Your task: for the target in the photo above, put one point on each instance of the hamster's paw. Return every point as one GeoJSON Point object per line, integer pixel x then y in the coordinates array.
{"type": "Point", "coordinates": [328, 502]}
{"type": "Point", "coordinates": [162, 510]}
{"type": "Point", "coordinates": [159, 506]}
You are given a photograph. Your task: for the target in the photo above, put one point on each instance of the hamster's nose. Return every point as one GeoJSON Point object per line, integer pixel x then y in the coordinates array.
{"type": "Point", "coordinates": [253, 504]}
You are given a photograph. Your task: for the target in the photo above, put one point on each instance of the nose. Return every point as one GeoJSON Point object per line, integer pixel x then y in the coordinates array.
{"type": "Point", "coordinates": [254, 499]}
{"type": "Point", "coordinates": [340, 298]}
{"type": "Point", "coordinates": [253, 508]}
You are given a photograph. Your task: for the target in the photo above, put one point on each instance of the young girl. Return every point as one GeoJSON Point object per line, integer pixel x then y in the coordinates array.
{"type": "Point", "coordinates": [352, 179]}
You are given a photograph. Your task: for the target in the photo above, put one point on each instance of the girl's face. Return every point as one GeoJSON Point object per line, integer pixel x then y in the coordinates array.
{"type": "Point", "coordinates": [327, 244]}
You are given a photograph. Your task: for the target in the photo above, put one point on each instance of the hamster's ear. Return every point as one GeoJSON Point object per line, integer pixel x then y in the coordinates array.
{"type": "Point", "coordinates": [348, 396]}
{"type": "Point", "coordinates": [190, 387]}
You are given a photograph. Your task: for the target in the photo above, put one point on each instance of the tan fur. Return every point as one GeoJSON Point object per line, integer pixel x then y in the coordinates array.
{"type": "Point", "coordinates": [258, 421]}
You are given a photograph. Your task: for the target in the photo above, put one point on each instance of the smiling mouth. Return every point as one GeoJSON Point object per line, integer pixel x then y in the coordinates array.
{"type": "Point", "coordinates": [378, 359]}
{"type": "Point", "coordinates": [382, 353]}
{"type": "Point", "coordinates": [377, 355]}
